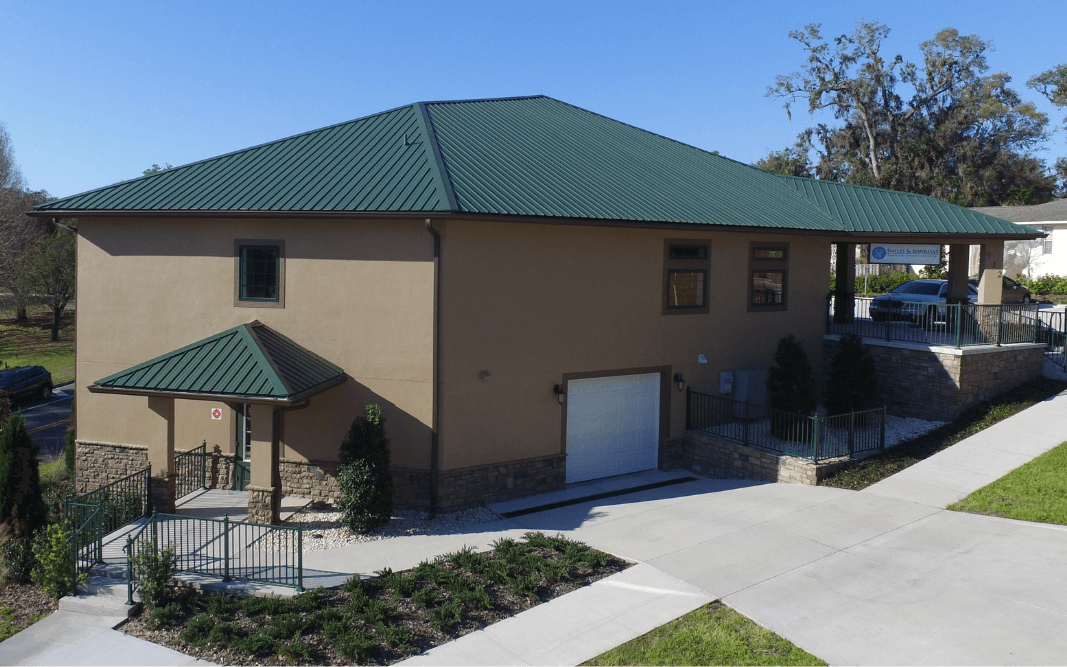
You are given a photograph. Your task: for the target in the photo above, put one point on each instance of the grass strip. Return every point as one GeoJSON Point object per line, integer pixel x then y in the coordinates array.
{"type": "Point", "coordinates": [711, 635]}
{"type": "Point", "coordinates": [1035, 491]}
{"type": "Point", "coordinates": [867, 471]}
{"type": "Point", "coordinates": [27, 343]}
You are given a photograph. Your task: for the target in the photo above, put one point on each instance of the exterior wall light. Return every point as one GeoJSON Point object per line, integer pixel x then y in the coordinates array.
{"type": "Point", "coordinates": [680, 379]}
{"type": "Point", "coordinates": [560, 392]}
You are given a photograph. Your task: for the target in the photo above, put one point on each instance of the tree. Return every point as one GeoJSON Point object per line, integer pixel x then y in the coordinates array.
{"type": "Point", "coordinates": [942, 128]}
{"type": "Point", "coordinates": [22, 507]}
{"type": "Point", "coordinates": [47, 268]}
{"type": "Point", "coordinates": [851, 383]}
{"type": "Point", "coordinates": [1053, 85]}
{"type": "Point", "coordinates": [791, 390]}
{"type": "Point", "coordinates": [155, 169]}
{"type": "Point", "coordinates": [17, 230]}
{"type": "Point", "coordinates": [792, 161]}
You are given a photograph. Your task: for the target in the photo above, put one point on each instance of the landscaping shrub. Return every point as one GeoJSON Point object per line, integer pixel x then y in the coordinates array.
{"type": "Point", "coordinates": [21, 506]}
{"type": "Point", "coordinates": [54, 570]}
{"type": "Point", "coordinates": [851, 385]}
{"type": "Point", "coordinates": [363, 477]}
{"type": "Point", "coordinates": [1046, 284]}
{"type": "Point", "coordinates": [154, 569]}
{"type": "Point", "coordinates": [16, 557]}
{"type": "Point", "coordinates": [791, 387]}
{"type": "Point", "coordinates": [5, 409]}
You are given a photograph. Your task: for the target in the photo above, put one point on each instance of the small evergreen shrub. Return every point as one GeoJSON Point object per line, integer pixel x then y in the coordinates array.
{"type": "Point", "coordinates": [22, 507]}
{"type": "Point", "coordinates": [16, 557]}
{"type": "Point", "coordinates": [851, 385]}
{"type": "Point", "coordinates": [792, 389]}
{"type": "Point", "coordinates": [54, 570]}
{"type": "Point", "coordinates": [154, 572]}
{"type": "Point", "coordinates": [363, 477]}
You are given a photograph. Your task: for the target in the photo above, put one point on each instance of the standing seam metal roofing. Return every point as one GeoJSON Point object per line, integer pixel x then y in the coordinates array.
{"type": "Point", "coordinates": [529, 156]}
{"type": "Point", "coordinates": [250, 361]}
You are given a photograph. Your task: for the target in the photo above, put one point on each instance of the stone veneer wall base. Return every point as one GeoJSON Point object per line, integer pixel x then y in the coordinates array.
{"type": "Point", "coordinates": [717, 457]}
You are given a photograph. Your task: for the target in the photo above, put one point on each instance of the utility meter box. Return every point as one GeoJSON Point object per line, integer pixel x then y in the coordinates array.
{"type": "Point", "coordinates": [726, 382]}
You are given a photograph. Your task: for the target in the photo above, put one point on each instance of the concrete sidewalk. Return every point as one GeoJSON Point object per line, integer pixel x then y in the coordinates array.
{"type": "Point", "coordinates": [883, 576]}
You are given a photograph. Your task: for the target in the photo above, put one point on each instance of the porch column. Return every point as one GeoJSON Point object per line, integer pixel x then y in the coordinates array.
{"type": "Point", "coordinates": [845, 287]}
{"type": "Point", "coordinates": [264, 493]}
{"type": "Point", "coordinates": [991, 273]}
{"type": "Point", "coordinates": [161, 453]}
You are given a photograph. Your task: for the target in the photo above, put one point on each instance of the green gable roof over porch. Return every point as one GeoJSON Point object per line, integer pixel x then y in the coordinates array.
{"type": "Point", "coordinates": [250, 363]}
{"type": "Point", "coordinates": [534, 157]}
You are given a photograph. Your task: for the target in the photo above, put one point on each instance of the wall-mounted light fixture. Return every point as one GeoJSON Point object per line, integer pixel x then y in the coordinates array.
{"type": "Point", "coordinates": [680, 379]}
{"type": "Point", "coordinates": [560, 392]}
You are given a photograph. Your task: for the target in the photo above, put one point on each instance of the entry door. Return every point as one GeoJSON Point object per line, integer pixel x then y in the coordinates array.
{"type": "Point", "coordinates": [243, 447]}
{"type": "Point", "coordinates": [612, 426]}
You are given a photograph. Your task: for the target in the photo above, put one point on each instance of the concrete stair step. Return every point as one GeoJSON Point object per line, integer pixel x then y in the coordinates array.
{"type": "Point", "coordinates": [100, 595]}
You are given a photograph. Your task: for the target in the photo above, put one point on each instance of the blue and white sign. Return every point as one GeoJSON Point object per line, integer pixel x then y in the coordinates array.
{"type": "Point", "coordinates": [904, 253]}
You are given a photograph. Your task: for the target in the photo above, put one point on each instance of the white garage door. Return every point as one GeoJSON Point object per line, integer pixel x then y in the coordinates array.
{"type": "Point", "coordinates": [612, 426]}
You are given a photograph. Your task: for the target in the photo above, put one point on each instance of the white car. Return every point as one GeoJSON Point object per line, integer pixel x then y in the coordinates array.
{"type": "Point", "coordinates": [916, 301]}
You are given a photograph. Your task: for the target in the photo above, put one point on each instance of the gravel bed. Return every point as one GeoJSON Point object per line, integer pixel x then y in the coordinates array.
{"type": "Point", "coordinates": [902, 429]}
{"type": "Point", "coordinates": [323, 529]}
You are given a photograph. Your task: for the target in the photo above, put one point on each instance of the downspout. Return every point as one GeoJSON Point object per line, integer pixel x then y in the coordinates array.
{"type": "Point", "coordinates": [434, 444]}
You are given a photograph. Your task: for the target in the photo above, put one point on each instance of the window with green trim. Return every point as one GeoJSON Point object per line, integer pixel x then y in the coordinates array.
{"type": "Point", "coordinates": [259, 273]}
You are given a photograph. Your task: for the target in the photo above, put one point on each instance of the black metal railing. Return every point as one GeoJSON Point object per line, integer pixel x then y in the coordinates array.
{"type": "Point", "coordinates": [191, 469]}
{"type": "Point", "coordinates": [1052, 331]}
{"type": "Point", "coordinates": [954, 325]}
{"type": "Point", "coordinates": [86, 536]}
{"type": "Point", "coordinates": [220, 548]}
{"type": "Point", "coordinates": [811, 437]}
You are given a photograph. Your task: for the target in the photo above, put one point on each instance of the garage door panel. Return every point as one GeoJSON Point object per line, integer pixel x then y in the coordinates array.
{"type": "Point", "coordinates": [612, 426]}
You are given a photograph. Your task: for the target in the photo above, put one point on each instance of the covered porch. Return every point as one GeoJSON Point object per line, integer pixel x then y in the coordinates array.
{"type": "Point", "coordinates": [258, 373]}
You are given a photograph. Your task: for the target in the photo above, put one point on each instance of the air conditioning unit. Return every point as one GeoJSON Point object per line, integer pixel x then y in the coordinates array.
{"type": "Point", "coordinates": [750, 386]}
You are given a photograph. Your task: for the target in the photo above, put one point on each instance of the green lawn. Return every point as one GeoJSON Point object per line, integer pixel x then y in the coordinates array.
{"type": "Point", "coordinates": [711, 635]}
{"type": "Point", "coordinates": [1036, 491]}
{"type": "Point", "coordinates": [28, 344]}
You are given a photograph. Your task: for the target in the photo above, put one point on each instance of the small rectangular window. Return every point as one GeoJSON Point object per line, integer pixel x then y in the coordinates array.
{"type": "Point", "coordinates": [768, 253]}
{"type": "Point", "coordinates": [685, 277]}
{"type": "Point", "coordinates": [259, 274]}
{"type": "Point", "coordinates": [1047, 245]}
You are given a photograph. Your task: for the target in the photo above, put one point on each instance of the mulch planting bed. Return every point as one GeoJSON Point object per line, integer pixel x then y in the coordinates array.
{"type": "Point", "coordinates": [26, 604]}
{"type": "Point", "coordinates": [380, 620]}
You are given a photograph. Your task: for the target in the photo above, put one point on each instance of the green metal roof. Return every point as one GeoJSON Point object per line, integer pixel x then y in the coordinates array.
{"type": "Point", "coordinates": [251, 363]}
{"type": "Point", "coordinates": [529, 156]}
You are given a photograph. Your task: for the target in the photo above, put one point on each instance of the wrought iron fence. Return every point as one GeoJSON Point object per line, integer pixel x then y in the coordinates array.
{"type": "Point", "coordinates": [810, 437]}
{"type": "Point", "coordinates": [954, 325]}
{"type": "Point", "coordinates": [191, 468]}
{"type": "Point", "coordinates": [221, 548]}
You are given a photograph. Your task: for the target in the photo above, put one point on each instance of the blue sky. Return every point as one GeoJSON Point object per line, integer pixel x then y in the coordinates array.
{"type": "Point", "coordinates": [94, 93]}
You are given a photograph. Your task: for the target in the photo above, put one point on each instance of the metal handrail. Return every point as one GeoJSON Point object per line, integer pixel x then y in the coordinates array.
{"type": "Point", "coordinates": [191, 467]}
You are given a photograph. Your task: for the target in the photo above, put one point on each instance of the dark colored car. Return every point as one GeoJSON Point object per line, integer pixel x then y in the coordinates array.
{"type": "Point", "coordinates": [26, 382]}
{"type": "Point", "coordinates": [1013, 292]}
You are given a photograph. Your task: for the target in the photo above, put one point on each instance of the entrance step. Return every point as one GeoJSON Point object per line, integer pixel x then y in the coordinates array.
{"type": "Point", "coordinates": [100, 595]}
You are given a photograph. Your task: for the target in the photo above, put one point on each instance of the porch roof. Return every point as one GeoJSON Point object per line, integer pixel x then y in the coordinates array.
{"type": "Point", "coordinates": [250, 363]}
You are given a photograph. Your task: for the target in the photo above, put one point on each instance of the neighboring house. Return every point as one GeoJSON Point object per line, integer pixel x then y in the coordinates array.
{"type": "Point", "coordinates": [1035, 257]}
{"type": "Point", "coordinates": [523, 286]}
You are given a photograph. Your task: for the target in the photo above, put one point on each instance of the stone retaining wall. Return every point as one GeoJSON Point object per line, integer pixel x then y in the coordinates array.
{"type": "Point", "coordinates": [97, 464]}
{"type": "Point", "coordinates": [719, 458]}
{"type": "Point", "coordinates": [480, 485]}
{"type": "Point", "coordinates": [940, 383]}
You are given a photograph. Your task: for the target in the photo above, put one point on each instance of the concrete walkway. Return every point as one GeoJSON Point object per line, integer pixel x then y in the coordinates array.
{"type": "Point", "coordinates": [883, 576]}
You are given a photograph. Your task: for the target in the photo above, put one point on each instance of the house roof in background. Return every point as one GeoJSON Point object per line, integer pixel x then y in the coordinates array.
{"type": "Point", "coordinates": [250, 363]}
{"type": "Point", "coordinates": [1053, 211]}
{"type": "Point", "coordinates": [531, 157]}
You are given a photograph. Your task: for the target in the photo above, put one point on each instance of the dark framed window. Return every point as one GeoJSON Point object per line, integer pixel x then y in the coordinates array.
{"type": "Point", "coordinates": [685, 276]}
{"type": "Point", "coordinates": [768, 269]}
{"type": "Point", "coordinates": [259, 273]}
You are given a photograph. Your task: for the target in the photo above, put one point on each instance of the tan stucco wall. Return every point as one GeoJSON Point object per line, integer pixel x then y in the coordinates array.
{"type": "Point", "coordinates": [359, 293]}
{"type": "Point", "coordinates": [529, 303]}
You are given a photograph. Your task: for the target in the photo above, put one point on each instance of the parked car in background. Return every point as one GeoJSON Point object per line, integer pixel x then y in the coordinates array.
{"type": "Point", "coordinates": [1014, 292]}
{"type": "Point", "coordinates": [26, 382]}
{"type": "Point", "coordinates": [916, 301]}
